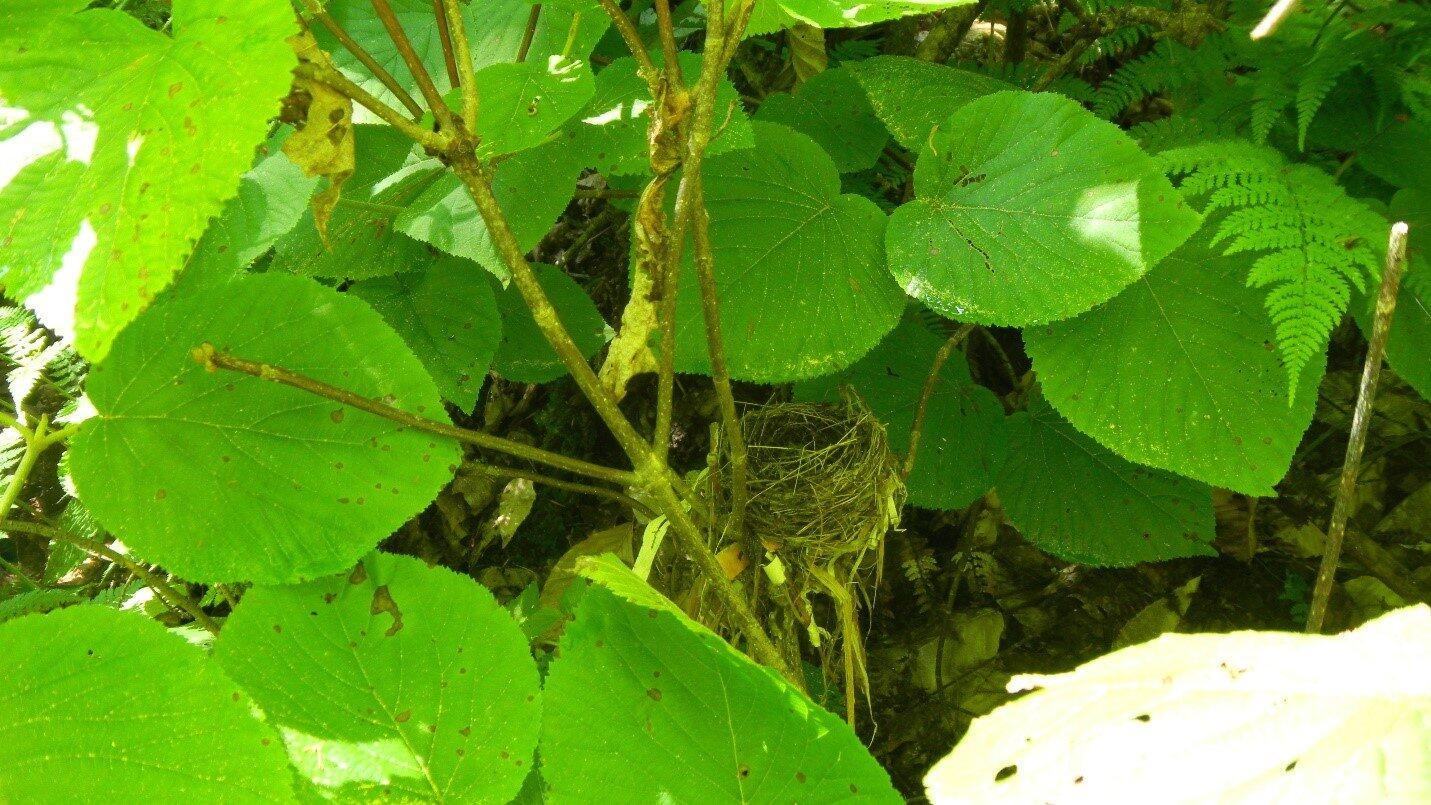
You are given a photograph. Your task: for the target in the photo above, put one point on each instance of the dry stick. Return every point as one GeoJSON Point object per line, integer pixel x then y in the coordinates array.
{"type": "Point", "coordinates": [414, 65]}
{"type": "Point", "coordinates": [930, 382]}
{"type": "Point", "coordinates": [171, 597]}
{"type": "Point", "coordinates": [444, 36]}
{"type": "Point", "coordinates": [214, 360]}
{"type": "Point", "coordinates": [1371, 372]}
{"type": "Point", "coordinates": [340, 83]}
{"type": "Point", "coordinates": [649, 468]}
{"type": "Point", "coordinates": [531, 31]}
{"type": "Point", "coordinates": [364, 57]}
{"type": "Point", "coordinates": [1274, 18]}
{"type": "Point", "coordinates": [466, 70]}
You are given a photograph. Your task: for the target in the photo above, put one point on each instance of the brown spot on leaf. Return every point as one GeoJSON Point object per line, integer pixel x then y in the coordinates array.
{"type": "Point", "coordinates": [383, 602]}
{"type": "Point", "coordinates": [359, 574]}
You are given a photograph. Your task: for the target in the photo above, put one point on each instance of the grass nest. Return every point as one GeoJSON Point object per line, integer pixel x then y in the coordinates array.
{"type": "Point", "coordinates": [822, 480]}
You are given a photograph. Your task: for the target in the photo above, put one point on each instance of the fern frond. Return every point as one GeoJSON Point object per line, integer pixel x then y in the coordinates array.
{"type": "Point", "coordinates": [1316, 243]}
{"type": "Point", "coordinates": [1166, 67]}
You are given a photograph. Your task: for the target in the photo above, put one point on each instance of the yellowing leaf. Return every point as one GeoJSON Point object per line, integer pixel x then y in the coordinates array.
{"type": "Point", "coordinates": [323, 144]}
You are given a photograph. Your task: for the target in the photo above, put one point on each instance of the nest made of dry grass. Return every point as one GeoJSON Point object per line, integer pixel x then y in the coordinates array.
{"type": "Point", "coordinates": [821, 477]}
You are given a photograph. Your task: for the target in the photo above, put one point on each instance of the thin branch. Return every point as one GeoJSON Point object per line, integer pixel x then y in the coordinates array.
{"type": "Point", "coordinates": [214, 360]}
{"type": "Point", "coordinates": [339, 82]}
{"type": "Point", "coordinates": [1356, 443]}
{"type": "Point", "coordinates": [466, 70]}
{"type": "Point", "coordinates": [570, 486]}
{"type": "Point", "coordinates": [35, 444]}
{"type": "Point", "coordinates": [172, 598]}
{"type": "Point", "coordinates": [414, 65]}
{"type": "Point", "coordinates": [364, 57]}
{"type": "Point", "coordinates": [444, 37]}
{"type": "Point", "coordinates": [529, 32]}
{"type": "Point", "coordinates": [1275, 15]}
{"type": "Point", "coordinates": [669, 50]}
{"type": "Point", "coordinates": [653, 473]}
{"type": "Point", "coordinates": [19, 573]}
{"type": "Point", "coordinates": [932, 380]}
{"type": "Point", "coordinates": [632, 37]}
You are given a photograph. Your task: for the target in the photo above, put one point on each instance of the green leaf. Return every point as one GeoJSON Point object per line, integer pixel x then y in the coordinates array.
{"type": "Point", "coordinates": [150, 134]}
{"type": "Point", "coordinates": [1030, 209]}
{"type": "Point", "coordinates": [1074, 498]}
{"type": "Point", "coordinates": [524, 354]}
{"type": "Point", "coordinates": [1180, 372]}
{"type": "Point", "coordinates": [448, 316]}
{"type": "Point", "coordinates": [832, 110]}
{"type": "Point", "coordinates": [694, 720]}
{"type": "Point", "coordinates": [103, 705]}
{"type": "Point", "coordinates": [533, 187]}
{"type": "Point", "coordinates": [1246, 717]}
{"type": "Point", "coordinates": [774, 16]}
{"type": "Point", "coordinates": [611, 131]}
{"type": "Point", "coordinates": [914, 97]}
{"type": "Point", "coordinates": [524, 102]}
{"type": "Point", "coordinates": [272, 197]}
{"type": "Point", "coordinates": [363, 238]}
{"type": "Point", "coordinates": [220, 476]}
{"type": "Point", "coordinates": [799, 268]}
{"type": "Point", "coordinates": [964, 437]}
{"type": "Point", "coordinates": [396, 680]}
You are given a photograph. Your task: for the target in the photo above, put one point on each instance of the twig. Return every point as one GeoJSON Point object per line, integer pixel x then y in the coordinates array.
{"type": "Point", "coordinates": [570, 486]}
{"type": "Point", "coordinates": [632, 37]}
{"type": "Point", "coordinates": [35, 443]}
{"type": "Point", "coordinates": [171, 597]}
{"type": "Point", "coordinates": [364, 57]}
{"type": "Point", "coordinates": [212, 359]}
{"type": "Point", "coordinates": [19, 573]}
{"type": "Point", "coordinates": [466, 70]}
{"type": "Point", "coordinates": [444, 36]}
{"type": "Point", "coordinates": [930, 382]}
{"type": "Point", "coordinates": [1356, 443]}
{"type": "Point", "coordinates": [525, 46]}
{"type": "Point", "coordinates": [414, 64]}
{"type": "Point", "coordinates": [1274, 18]}
{"type": "Point", "coordinates": [669, 50]}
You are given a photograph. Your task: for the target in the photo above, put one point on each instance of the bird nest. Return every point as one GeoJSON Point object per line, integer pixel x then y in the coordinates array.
{"type": "Point", "coordinates": [821, 477]}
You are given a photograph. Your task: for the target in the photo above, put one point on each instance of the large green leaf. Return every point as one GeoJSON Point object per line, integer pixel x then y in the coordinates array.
{"type": "Point", "coordinates": [643, 701]}
{"type": "Point", "coordinates": [524, 102]}
{"type": "Point", "coordinates": [448, 316]}
{"type": "Point", "coordinates": [913, 97]}
{"type": "Point", "coordinates": [1074, 498]}
{"type": "Point", "coordinates": [1030, 209]}
{"type": "Point", "coordinates": [1180, 372]}
{"type": "Point", "coordinates": [524, 354]}
{"type": "Point", "coordinates": [1243, 717]}
{"type": "Point", "coordinates": [363, 237]}
{"type": "Point", "coordinates": [772, 16]}
{"type": "Point", "coordinates": [831, 109]}
{"type": "Point", "coordinates": [611, 131]}
{"type": "Point", "coordinates": [103, 705]}
{"type": "Point", "coordinates": [149, 135]}
{"type": "Point", "coordinates": [394, 681]}
{"type": "Point", "coordinates": [963, 439]}
{"type": "Point", "coordinates": [799, 267]}
{"type": "Point", "coordinates": [219, 476]}
{"type": "Point", "coordinates": [533, 188]}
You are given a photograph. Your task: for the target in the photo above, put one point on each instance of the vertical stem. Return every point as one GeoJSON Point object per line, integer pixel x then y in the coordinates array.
{"type": "Point", "coordinates": [528, 33]}
{"type": "Point", "coordinates": [669, 51]}
{"type": "Point", "coordinates": [414, 64]}
{"type": "Point", "coordinates": [632, 38]}
{"type": "Point", "coordinates": [444, 35]}
{"type": "Point", "coordinates": [940, 358]}
{"type": "Point", "coordinates": [1361, 418]}
{"type": "Point", "coordinates": [466, 70]}
{"type": "Point", "coordinates": [364, 57]}
{"type": "Point", "coordinates": [35, 444]}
